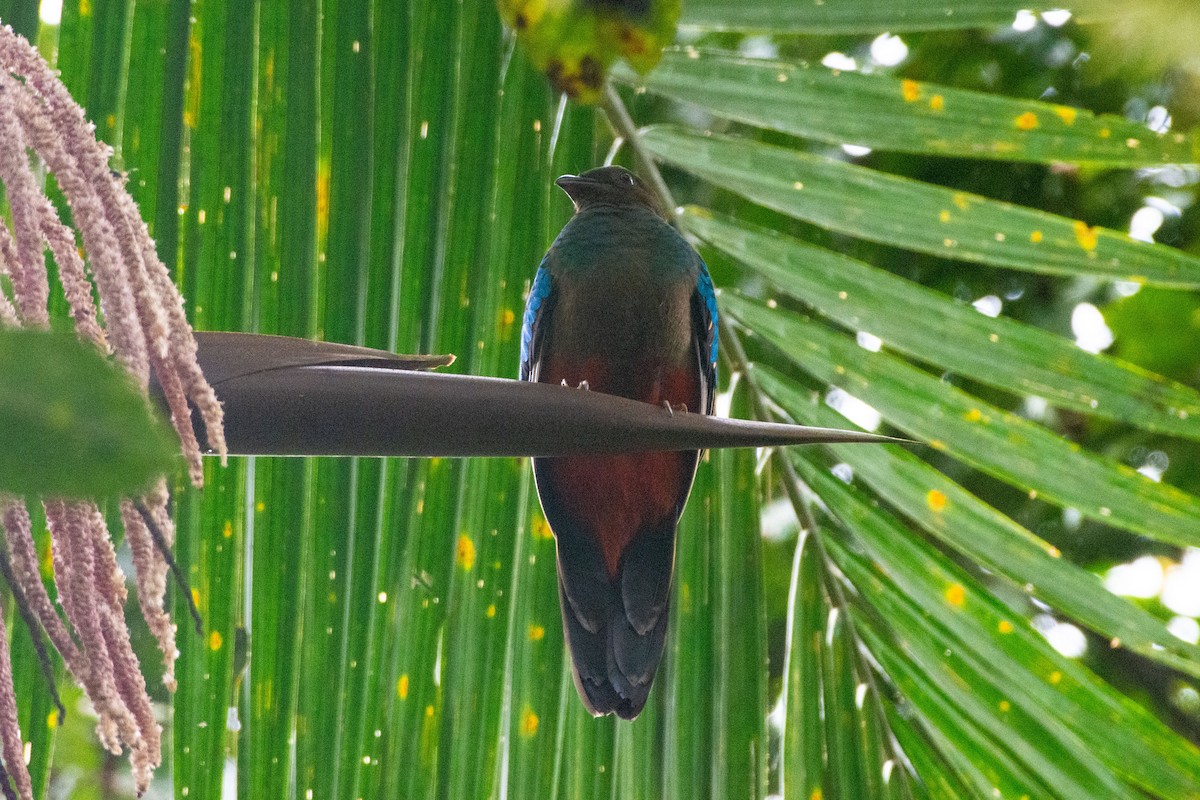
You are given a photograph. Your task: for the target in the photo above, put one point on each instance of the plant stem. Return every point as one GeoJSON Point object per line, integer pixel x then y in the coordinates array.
{"type": "Point", "coordinates": [623, 126]}
{"type": "Point", "coordinates": [801, 496]}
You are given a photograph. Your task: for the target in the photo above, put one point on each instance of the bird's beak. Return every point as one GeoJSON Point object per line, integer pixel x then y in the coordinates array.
{"type": "Point", "coordinates": [569, 182]}
{"type": "Point", "coordinates": [572, 184]}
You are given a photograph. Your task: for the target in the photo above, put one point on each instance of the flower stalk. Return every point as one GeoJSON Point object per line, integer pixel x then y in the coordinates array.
{"type": "Point", "coordinates": [140, 322]}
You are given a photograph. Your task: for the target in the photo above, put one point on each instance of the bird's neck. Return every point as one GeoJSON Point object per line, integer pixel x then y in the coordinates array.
{"type": "Point", "coordinates": [619, 237]}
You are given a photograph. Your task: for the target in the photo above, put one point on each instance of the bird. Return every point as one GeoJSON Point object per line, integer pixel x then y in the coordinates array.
{"type": "Point", "coordinates": [621, 304]}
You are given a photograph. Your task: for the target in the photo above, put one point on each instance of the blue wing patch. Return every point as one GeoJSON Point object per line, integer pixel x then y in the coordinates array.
{"type": "Point", "coordinates": [704, 286]}
{"type": "Point", "coordinates": [704, 320]}
{"type": "Point", "coordinates": [538, 294]}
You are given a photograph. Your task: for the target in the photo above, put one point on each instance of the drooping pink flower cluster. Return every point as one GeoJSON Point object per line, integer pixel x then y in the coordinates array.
{"type": "Point", "coordinates": [141, 323]}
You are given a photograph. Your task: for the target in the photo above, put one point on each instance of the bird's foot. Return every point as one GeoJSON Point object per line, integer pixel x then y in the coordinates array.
{"type": "Point", "coordinates": [681, 408]}
{"type": "Point", "coordinates": [584, 385]}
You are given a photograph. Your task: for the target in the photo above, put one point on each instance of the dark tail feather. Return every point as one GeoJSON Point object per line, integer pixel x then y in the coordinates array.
{"type": "Point", "coordinates": [616, 629]}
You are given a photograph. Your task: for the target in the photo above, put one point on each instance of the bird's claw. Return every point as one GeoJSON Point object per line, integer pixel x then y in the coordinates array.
{"type": "Point", "coordinates": [584, 385]}
{"type": "Point", "coordinates": [682, 407]}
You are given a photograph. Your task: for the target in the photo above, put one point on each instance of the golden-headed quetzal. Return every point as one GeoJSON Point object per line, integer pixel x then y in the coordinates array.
{"type": "Point", "coordinates": [621, 304]}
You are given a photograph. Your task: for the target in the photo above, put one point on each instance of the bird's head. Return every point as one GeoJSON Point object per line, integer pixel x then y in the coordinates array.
{"type": "Point", "coordinates": [609, 186]}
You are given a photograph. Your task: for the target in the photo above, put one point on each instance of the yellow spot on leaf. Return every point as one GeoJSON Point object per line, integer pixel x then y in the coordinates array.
{"type": "Point", "coordinates": [464, 552]}
{"type": "Point", "coordinates": [402, 687]}
{"type": "Point", "coordinates": [944, 216]}
{"type": "Point", "coordinates": [191, 111]}
{"type": "Point", "coordinates": [956, 595]}
{"type": "Point", "coordinates": [910, 90]}
{"type": "Point", "coordinates": [974, 415]}
{"type": "Point", "coordinates": [323, 181]}
{"type": "Point", "coordinates": [1005, 705]}
{"type": "Point", "coordinates": [429, 711]}
{"type": "Point", "coordinates": [1005, 626]}
{"type": "Point", "coordinates": [529, 722]}
{"type": "Point", "coordinates": [1066, 114]}
{"type": "Point", "coordinates": [1105, 133]}
{"type": "Point", "coordinates": [1056, 677]}
{"type": "Point", "coordinates": [85, 8]}
{"type": "Point", "coordinates": [491, 611]}
{"type": "Point", "coordinates": [215, 641]}
{"type": "Point", "coordinates": [227, 531]}
{"type": "Point", "coordinates": [260, 506]}
{"type": "Point", "coordinates": [936, 500]}
{"type": "Point", "coordinates": [1035, 237]}
{"type": "Point", "coordinates": [195, 597]}
{"type": "Point", "coordinates": [937, 103]}
{"type": "Point", "coordinates": [541, 529]}
{"type": "Point", "coordinates": [536, 633]}
{"type": "Point", "coordinates": [47, 562]}
{"type": "Point", "coordinates": [937, 444]}
{"type": "Point", "coordinates": [962, 200]}
{"type": "Point", "coordinates": [507, 317]}
{"type": "Point", "coordinates": [52, 719]}
{"type": "Point", "coordinates": [817, 794]}
{"type": "Point", "coordinates": [1086, 236]}
{"type": "Point", "coordinates": [1026, 122]}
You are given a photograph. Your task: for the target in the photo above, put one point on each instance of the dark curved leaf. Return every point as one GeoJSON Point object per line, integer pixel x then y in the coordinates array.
{"type": "Point", "coordinates": [287, 396]}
